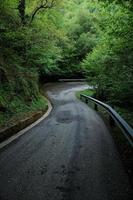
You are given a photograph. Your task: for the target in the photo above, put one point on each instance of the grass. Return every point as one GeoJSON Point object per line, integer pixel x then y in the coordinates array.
{"type": "Point", "coordinates": [127, 114]}
{"type": "Point", "coordinates": [19, 109]}
{"type": "Point", "coordinates": [89, 92]}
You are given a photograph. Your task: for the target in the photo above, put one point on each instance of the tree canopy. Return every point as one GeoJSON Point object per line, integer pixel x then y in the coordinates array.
{"type": "Point", "coordinates": [76, 38]}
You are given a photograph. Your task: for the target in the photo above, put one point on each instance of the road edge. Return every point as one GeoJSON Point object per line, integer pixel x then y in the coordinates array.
{"type": "Point", "coordinates": [23, 131]}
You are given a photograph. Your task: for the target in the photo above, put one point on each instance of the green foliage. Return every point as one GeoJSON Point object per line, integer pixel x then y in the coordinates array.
{"type": "Point", "coordinates": [31, 49]}
{"type": "Point", "coordinates": [65, 39]}
{"type": "Point", "coordinates": [109, 65]}
{"type": "Point", "coordinates": [27, 51]}
{"type": "Point", "coordinates": [19, 109]}
{"type": "Point", "coordinates": [79, 26]}
{"type": "Point", "coordinates": [88, 92]}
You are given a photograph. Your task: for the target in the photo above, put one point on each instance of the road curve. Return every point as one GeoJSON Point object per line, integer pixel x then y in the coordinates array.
{"type": "Point", "coordinates": [68, 156]}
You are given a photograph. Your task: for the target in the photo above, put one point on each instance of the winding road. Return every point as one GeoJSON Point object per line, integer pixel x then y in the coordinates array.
{"type": "Point", "coordinates": [68, 156]}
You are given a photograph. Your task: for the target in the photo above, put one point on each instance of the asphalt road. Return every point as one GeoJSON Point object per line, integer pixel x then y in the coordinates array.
{"type": "Point", "coordinates": [68, 156]}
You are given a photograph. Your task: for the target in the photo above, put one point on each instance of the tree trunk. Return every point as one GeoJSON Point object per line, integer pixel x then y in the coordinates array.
{"type": "Point", "coordinates": [21, 8]}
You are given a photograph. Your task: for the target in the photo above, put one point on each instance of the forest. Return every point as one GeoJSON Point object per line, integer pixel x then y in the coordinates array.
{"type": "Point", "coordinates": [44, 40]}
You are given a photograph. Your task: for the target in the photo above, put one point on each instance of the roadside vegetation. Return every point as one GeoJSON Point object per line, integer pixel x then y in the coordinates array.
{"type": "Point", "coordinates": [44, 40]}
{"type": "Point", "coordinates": [125, 113]}
{"type": "Point", "coordinates": [88, 92]}
{"type": "Point", "coordinates": [18, 109]}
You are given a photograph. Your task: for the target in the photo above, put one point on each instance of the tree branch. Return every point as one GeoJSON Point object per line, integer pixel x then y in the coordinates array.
{"type": "Point", "coordinates": [43, 5]}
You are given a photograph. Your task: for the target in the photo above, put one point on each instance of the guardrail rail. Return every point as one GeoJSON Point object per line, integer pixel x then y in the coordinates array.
{"type": "Point", "coordinates": [114, 117]}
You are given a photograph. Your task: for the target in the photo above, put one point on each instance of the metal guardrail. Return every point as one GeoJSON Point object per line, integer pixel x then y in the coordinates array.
{"type": "Point", "coordinates": [72, 80]}
{"type": "Point", "coordinates": [114, 117]}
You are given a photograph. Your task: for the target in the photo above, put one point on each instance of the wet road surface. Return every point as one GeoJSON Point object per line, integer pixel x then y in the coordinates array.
{"type": "Point", "coordinates": [68, 156]}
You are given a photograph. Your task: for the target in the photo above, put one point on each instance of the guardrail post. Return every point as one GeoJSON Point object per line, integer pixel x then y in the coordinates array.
{"type": "Point", "coordinates": [86, 100]}
{"type": "Point", "coordinates": [96, 107]}
{"type": "Point", "coordinates": [111, 121]}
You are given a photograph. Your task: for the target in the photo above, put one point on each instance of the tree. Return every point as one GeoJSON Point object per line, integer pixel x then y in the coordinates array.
{"type": "Point", "coordinates": [43, 5]}
{"type": "Point", "coordinates": [109, 65]}
{"type": "Point", "coordinates": [21, 8]}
